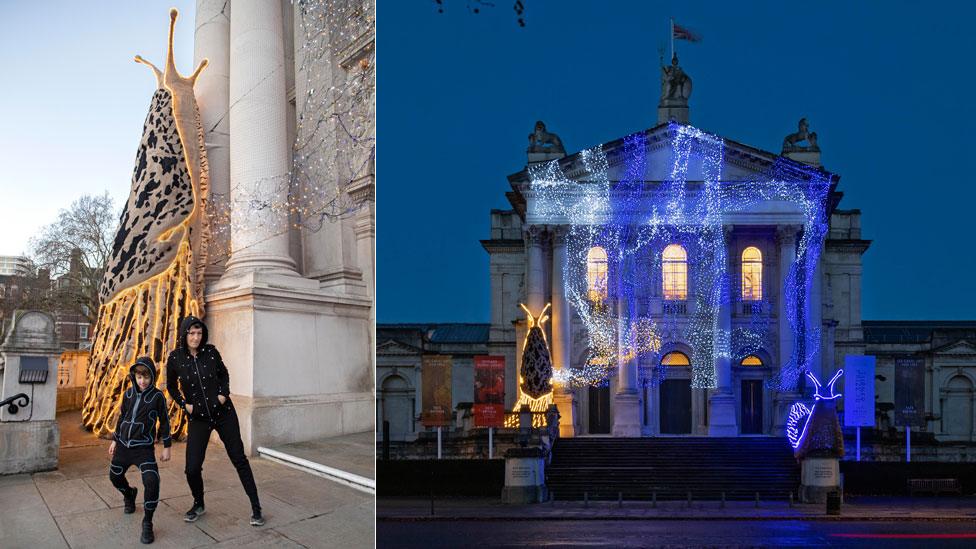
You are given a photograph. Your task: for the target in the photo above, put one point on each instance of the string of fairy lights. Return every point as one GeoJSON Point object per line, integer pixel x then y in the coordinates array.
{"type": "Point", "coordinates": [632, 218]}
{"type": "Point", "coordinates": [334, 146]}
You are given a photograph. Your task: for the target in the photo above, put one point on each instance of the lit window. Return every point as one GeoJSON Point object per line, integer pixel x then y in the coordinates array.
{"type": "Point", "coordinates": [751, 360]}
{"type": "Point", "coordinates": [751, 274]}
{"type": "Point", "coordinates": [596, 273]}
{"type": "Point", "coordinates": [675, 359]}
{"type": "Point", "coordinates": [675, 261]}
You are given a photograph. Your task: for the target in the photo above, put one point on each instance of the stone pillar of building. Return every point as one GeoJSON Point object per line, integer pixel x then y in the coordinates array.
{"type": "Point", "coordinates": [814, 320]}
{"type": "Point", "coordinates": [299, 355]}
{"type": "Point", "coordinates": [626, 401]}
{"type": "Point", "coordinates": [535, 274]}
{"type": "Point", "coordinates": [721, 416]}
{"type": "Point", "coordinates": [783, 400]}
{"type": "Point", "coordinates": [211, 41]}
{"type": "Point", "coordinates": [561, 332]}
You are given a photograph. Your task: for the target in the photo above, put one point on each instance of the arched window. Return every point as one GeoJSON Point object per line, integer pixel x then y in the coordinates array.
{"type": "Point", "coordinates": [675, 358]}
{"type": "Point", "coordinates": [751, 274]}
{"type": "Point", "coordinates": [752, 360]}
{"type": "Point", "coordinates": [596, 273]}
{"type": "Point", "coordinates": [675, 263]}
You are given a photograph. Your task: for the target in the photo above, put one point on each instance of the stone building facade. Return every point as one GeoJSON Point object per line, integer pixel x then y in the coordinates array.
{"type": "Point", "coordinates": [291, 306]}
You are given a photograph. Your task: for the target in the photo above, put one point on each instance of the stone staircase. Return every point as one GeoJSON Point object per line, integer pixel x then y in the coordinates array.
{"type": "Point", "coordinates": [671, 467]}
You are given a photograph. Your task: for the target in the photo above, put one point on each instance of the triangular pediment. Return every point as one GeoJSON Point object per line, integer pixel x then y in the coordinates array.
{"type": "Point", "coordinates": [957, 348]}
{"type": "Point", "coordinates": [392, 347]}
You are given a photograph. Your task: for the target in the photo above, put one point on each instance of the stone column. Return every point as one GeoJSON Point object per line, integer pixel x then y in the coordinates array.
{"type": "Point", "coordinates": [786, 243]}
{"type": "Point", "coordinates": [212, 41]}
{"type": "Point", "coordinates": [259, 159]}
{"type": "Point", "coordinates": [561, 331]}
{"type": "Point", "coordinates": [535, 274]}
{"type": "Point", "coordinates": [814, 316]}
{"type": "Point", "coordinates": [626, 402]}
{"type": "Point", "coordinates": [721, 417]}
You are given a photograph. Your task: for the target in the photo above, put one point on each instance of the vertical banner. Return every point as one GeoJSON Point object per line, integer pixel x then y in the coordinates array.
{"type": "Point", "coordinates": [436, 395]}
{"type": "Point", "coordinates": [859, 391]}
{"type": "Point", "coordinates": [489, 391]}
{"type": "Point", "coordinates": [910, 392]}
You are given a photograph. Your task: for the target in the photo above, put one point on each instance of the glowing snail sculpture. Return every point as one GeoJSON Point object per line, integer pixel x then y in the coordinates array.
{"type": "Point", "coordinates": [154, 276]}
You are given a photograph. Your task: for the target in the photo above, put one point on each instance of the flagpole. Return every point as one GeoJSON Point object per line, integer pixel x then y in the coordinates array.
{"type": "Point", "coordinates": [672, 40]}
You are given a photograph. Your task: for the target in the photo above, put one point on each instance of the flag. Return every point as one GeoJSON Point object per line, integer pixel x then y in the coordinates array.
{"type": "Point", "coordinates": [681, 33]}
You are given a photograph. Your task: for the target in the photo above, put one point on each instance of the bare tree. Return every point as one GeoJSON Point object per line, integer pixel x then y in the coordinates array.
{"type": "Point", "coordinates": [75, 250]}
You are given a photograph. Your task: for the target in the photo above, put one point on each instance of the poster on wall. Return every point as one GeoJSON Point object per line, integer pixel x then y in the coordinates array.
{"type": "Point", "coordinates": [910, 392]}
{"type": "Point", "coordinates": [859, 391]}
{"type": "Point", "coordinates": [436, 394]}
{"type": "Point", "coordinates": [489, 391]}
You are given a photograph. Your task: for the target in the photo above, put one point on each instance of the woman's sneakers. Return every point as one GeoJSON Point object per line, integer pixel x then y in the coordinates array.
{"type": "Point", "coordinates": [194, 513]}
{"type": "Point", "coordinates": [256, 518]}
{"type": "Point", "coordinates": [147, 533]}
{"type": "Point", "coordinates": [129, 500]}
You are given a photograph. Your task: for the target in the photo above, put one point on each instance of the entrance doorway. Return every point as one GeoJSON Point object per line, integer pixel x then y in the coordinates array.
{"type": "Point", "coordinates": [675, 407]}
{"type": "Point", "coordinates": [752, 407]}
{"type": "Point", "coordinates": [599, 398]}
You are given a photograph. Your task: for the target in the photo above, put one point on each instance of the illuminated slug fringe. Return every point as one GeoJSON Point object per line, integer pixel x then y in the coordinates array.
{"type": "Point", "coordinates": [821, 435]}
{"type": "Point", "coordinates": [155, 274]}
{"type": "Point", "coordinates": [535, 377]}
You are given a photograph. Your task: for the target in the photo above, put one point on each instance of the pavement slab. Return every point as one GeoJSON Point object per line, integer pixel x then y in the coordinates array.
{"type": "Point", "coordinates": [77, 506]}
{"type": "Point", "coordinates": [354, 453]}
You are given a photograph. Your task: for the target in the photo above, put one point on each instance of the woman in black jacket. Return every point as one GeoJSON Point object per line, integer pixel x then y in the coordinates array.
{"type": "Point", "coordinates": [197, 381]}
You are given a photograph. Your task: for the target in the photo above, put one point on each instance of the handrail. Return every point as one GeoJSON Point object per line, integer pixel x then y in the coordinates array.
{"type": "Point", "coordinates": [12, 407]}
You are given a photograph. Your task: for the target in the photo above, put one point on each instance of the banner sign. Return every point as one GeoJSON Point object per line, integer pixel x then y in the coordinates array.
{"type": "Point", "coordinates": [910, 392]}
{"type": "Point", "coordinates": [489, 391]}
{"type": "Point", "coordinates": [436, 395]}
{"type": "Point", "coordinates": [859, 391]}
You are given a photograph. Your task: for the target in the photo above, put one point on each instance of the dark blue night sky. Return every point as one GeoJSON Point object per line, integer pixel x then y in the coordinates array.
{"type": "Point", "coordinates": [888, 87]}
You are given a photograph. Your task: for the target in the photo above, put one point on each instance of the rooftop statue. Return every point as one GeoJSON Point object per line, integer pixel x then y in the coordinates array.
{"type": "Point", "coordinates": [803, 134]}
{"type": "Point", "coordinates": [541, 141]}
{"type": "Point", "coordinates": [675, 85]}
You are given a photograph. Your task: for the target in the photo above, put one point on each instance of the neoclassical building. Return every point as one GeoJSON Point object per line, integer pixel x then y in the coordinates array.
{"type": "Point", "coordinates": [691, 279]}
{"type": "Point", "coordinates": [290, 299]}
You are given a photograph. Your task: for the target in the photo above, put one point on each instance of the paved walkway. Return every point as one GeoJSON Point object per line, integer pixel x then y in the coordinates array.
{"type": "Point", "coordinates": [893, 509]}
{"type": "Point", "coordinates": [76, 506]}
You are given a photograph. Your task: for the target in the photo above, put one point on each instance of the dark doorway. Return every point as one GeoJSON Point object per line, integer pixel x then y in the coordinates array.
{"type": "Point", "coordinates": [676, 407]}
{"type": "Point", "coordinates": [599, 410]}
{"type": "Point", "coordinates": [752, 407]}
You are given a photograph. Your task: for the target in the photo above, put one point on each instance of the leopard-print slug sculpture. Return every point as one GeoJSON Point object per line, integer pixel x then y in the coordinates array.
{"type": "Point", "coordinates": [155, 274]}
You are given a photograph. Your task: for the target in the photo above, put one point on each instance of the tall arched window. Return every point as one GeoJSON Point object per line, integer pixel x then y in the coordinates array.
{"type": "Point", "coordinates": [675, 263]}
{"type": "Point", "coordinates": [751, 274]}
{"type": "Point", "coordinates": [596, 273]}
{"type": "Point", "coordinates": [675, 358]}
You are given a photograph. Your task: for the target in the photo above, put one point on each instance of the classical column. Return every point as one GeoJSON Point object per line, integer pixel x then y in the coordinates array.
{"type": "Point", "coordinates": [259, 151]}
{"type": "Point", "coordinates": [535, 274]}
{"type": "Point", "coordinates": [814, 316]}
{"type": "Point", "coordinates": [561, 331]}
{"type": "Point", "coordinates": [212, 41]}
{"type": "Point", "coordinates": [626, 402]}
{"type": "Point", "coordinates": [721, 416]}
{"type": "Point", "coordinates": [786, 243]}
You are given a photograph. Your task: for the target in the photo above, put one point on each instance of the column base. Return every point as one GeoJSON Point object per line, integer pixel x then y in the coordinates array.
{"type": "Point", "coordinates": [300, 360]}
{"type": "Point", "coordinates": [564, 401]}
{"type": "Point", "coordinates": [260, 262]}
{"type": "Point", "coordinates": [721, 415]}
{"type": "Point", "coordinates": [626, 414]}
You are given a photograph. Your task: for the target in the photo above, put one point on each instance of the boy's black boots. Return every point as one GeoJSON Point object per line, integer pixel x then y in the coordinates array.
{"type": "Point", "coordinates": [129, 501]}
{"type": "Point", "coordinates": [147, 532]}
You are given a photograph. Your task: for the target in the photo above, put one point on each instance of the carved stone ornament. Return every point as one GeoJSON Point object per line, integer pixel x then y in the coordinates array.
{"type": "Point", "coordinates": [803, 133]}
{"type": "Point", "coordinates": [542, 141]}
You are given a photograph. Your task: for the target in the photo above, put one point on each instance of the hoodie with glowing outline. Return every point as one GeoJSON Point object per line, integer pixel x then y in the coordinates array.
{"type": "Point", "coordinates": [142, 410]}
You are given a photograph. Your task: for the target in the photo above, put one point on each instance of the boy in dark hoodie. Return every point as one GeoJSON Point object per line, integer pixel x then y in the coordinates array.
{"type": "Point", "coordinates": [143, 406]}
{"type": "Point", "coordinates": [198, 382]}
